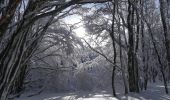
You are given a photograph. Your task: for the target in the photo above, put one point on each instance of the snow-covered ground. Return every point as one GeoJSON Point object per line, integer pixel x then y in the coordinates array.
{"type": "Point", "coordinates": [154, 92]}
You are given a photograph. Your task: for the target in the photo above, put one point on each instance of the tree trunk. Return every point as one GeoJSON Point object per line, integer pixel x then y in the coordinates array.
{"type": "Point", "coordinates": [114, 46]}
{"type": "Point", "coordinates": [14, 56]}
{"type": "Point", "coordinates": [7, 15]}
{"type": "Point", "coordinates": [113, 82]}
{"type": "Point", "coordinates": [159, 59]}
{"type": "Point", "coordinates": [18, 84]}
{"type": "Point", "coordinates": [164, 8]}
{"type": "Point", "coordinates": [165, 82]}
{"type": "Point", "coordinates": [121, 61]}
{"type": "Point", "coordinates": [132, 60]}
{"type": "Point", "coordinates": [146, 73]}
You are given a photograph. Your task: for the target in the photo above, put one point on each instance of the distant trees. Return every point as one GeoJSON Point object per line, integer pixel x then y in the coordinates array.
{"type": "Point", "coordinates": [134, 27]}
{"type": "Point", "coordinates": [165, 14]}
{"type": "Point", "coordinates": [141, 45]}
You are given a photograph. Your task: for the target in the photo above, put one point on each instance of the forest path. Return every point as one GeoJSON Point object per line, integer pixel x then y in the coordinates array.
{"type": "Point", "coordinates": [154, 92]}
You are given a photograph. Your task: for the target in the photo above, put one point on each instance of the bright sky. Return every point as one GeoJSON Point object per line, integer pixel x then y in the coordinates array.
{"type": "Point", "coordinates": [80, 31]}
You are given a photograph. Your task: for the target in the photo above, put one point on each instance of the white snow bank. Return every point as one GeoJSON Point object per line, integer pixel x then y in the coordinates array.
{"type": "Point", "coordinates": [154, 92]}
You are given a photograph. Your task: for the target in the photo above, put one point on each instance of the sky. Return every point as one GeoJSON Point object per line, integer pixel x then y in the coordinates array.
{"type": "Point", "coordinates": [80, 31]}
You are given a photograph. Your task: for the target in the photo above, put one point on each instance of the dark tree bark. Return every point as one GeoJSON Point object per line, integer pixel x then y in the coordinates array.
{"type": "Point", "coordinates": [114, 46]}
{"type": "Point", "coordinates": [7, 15]}
{"type": "Point", "coordinates": [18, 84]}
{"type": "Point", "coordinates": [132, 69]}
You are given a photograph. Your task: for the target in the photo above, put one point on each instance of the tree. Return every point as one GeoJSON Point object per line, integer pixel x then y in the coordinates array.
{"type": "Point", "coordinates": [12, 55]}
{"type": "Point", "coordinates": [164, 9]}
{"type": "Point", "coordinates": [132, 66]}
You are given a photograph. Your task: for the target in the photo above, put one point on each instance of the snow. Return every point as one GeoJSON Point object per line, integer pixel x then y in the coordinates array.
{"type": "Point", "coordinates": [154, 92]}
{"type": "Point", "coordinates": [70, 96]}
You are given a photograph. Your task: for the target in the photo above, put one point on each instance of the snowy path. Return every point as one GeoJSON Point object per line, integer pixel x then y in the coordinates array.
{"type": "Point", "coordinates": [155, 92]}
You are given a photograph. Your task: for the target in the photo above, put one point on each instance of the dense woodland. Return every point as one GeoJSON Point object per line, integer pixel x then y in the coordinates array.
{"type": "Point", "coordinates": [127, 42]}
